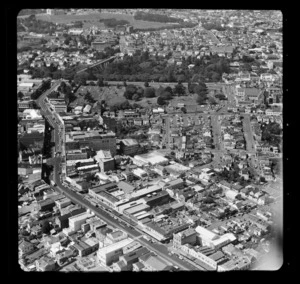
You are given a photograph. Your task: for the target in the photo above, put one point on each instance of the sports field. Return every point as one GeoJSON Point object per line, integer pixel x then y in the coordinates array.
{"type": "Point", "coordinates": [93, 19]}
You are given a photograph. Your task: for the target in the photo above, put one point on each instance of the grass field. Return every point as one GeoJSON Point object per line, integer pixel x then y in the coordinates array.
{"type": "Point", "coordinates": [93, 19]}
{"type": "Point", "coordinates": [21, 44]}
{"type": "Point", "coordinates": [111, 95]}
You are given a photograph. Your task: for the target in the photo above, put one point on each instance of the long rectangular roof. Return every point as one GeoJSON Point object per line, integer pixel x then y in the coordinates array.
{"type": "Point", "coordinates": [146, 191]}
{"type": "Point", "coordinates": [115, 246]}
{"type": "Point", "coordinates": [205, 233]}
{"type": "Point", "coordinates": [137, 208]}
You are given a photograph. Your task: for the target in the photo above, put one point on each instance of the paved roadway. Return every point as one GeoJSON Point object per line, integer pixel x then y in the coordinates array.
{"type": "Point", "coordinates": [151, 84]}
{"type": "Point", "coordinates": [216, 130]}
{"type": "Point", "coordinates": [248, 133]}
{"type": "Point", "coordinates": [159, 249]}
{"type": "Point", "coordinates": [78, 199]}
{"type": "Point", "coordinates": [228, 90]}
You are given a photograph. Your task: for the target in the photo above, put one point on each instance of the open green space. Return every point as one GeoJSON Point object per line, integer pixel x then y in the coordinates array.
{"type": "Point", "coordinates": [111, 95]}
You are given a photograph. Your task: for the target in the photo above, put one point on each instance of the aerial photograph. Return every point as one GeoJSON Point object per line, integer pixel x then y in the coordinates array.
{"type": "Point", "coordinates": [149, 140]}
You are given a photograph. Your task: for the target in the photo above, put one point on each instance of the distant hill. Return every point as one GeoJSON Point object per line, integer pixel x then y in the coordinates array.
{"type": "Point", "coordinates": [25, 12]}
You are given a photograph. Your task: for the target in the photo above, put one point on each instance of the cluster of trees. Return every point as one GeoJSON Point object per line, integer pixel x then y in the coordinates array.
{"type": "Point", "coordinates": [20, 95]}
{"type": "Point", "coordinates": [112, 22]}
{"type": "Point", "coordinates": [163, 95]}
{"type": "Point", "coordinates": [66, 89]}
{"type": "Point", "coordinates": [169, 27]}
{"type": "Point", "coordinates": [200, 89]}
{"type": "Point", "coordinates": [276, 165]}
{"type": "Point", "coordinates": [120, 106]}
{"type": "Point", "coordinates": [46, 84]}
{"type": "Point", "coordinates": [142, 67]}
{"type": "Point", "coordinates": [156, 18]}
{"type": "Point", "coordinates": [89, 98]}
{"type": "Point", "coordinates": [76, 39]}
{"type": "Point", "coordinates": [77, 24]}
{"type": "Point", "coordinates": [213, 26]}
{"type": "Point", "coordinates": [271, 133]}
{"type": "Point", "coordinates": [69, 73]}
{"type": "Point", "coordinates": [232, 175]}
{"type": "Point", "coordinates": [46, 72]}
{"type": "Point", "coordinates": [135, 93]}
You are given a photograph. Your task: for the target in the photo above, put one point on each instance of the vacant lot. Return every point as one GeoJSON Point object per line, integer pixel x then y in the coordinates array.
{"type": "Point", "coordinates": [93, 19]}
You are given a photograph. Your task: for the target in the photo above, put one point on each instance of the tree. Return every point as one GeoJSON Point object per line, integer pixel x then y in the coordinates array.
{"type": "Point", "coordinates": [159, 91]}
{"type": "Point", "coordinates": [212, 101]}
{"type": "Point", "coordinates": [149, 92]}
{"type": "Point", "coordinates": [100, 82]}
{"type": "Point", "coordinates": [135, 97]}
{"type": "Point", "coordinates": [162, 78]}
{"type": "Point", "coordinates": [161, 101]}
{"type": "Point", "coordinates": [220, 96]}
{"type": "Point", "coordinates": [57, 74]}
{"type": "Point", "coordinates": [170, 76]}
{"type": "Point", "coordinates": [201, 99]}
{"type": "Point", "coordinates": [68, 74]}
{"type": "Point", "coordinates": [88, 97]}
{"type": "Point", "coordinates": [216, 77]}
{"type": "Point", "coordinates": [180, 78]}
{"type": "Point", "coordinates": [179, 89]}
{"type": "Point", "coordinates": [140, 91]}
{"type": "Point", "coordinates": [20, 95]}
{"type": "Point", "coordinates": [166, 95]}
{"type": "Point", "coordinates": [169, 90]}
{"type": "Point", "coordinates": [81, 78]}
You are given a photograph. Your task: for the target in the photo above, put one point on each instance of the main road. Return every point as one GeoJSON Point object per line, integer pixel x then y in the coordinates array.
{"type": "Point", "coordinates": [159, 249]}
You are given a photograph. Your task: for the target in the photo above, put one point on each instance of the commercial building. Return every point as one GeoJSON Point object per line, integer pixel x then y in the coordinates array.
{"type": "Point", "coordinates": [177, 183]}
{"type": "Point", "coordinates": [101, 45]}
{"type": "Point", "coordinates": [136, 209]}
{"type": "Point", "coordinates": [111, 253]}
{"type": "Point", "coordinates": [75, 222]}
{"type": "Point", "coordinates": [63, 203]}
{"type": "Point", "coordinates": [45, 264]}
{"type": "Point", "coordinates": [105, 161]}
{"type": "Point", "coordinates": [129, 147]}
{"type": "Point", "coordinates": [157, 198]}
{"type": "Point", "coordinates": [86, 246]}
{"type": "Point", "coordinates": [127, 260]}
{"type": "Point", "coordinates": [93, 139]}
{"type": "Point", "coordinates": [145, 191]}
{"type": "Point", "coordinates": [188, 236]}
{"type": "Point", "coordinates": [63, 220]}
{"type": "Point", "coordinates": [55, 12]}
{"type": "Point", "coordinates": [152, 158]}
{"type": "Point", "coordinates": [59, 105]}
{"type": "Point", "coordinates": [209, 238]}
{"type": "Point", "coordinates": [46, 205]}
{"type": "Point", "coordinates": [76, 155]}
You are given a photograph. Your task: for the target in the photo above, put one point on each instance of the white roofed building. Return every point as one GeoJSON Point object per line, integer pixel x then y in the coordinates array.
{"type": "Point", "coordinates": [111, 253]}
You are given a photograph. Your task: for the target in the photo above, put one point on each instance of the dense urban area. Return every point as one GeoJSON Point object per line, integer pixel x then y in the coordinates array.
{"type": "Point", "coordinates": [149, 139]}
